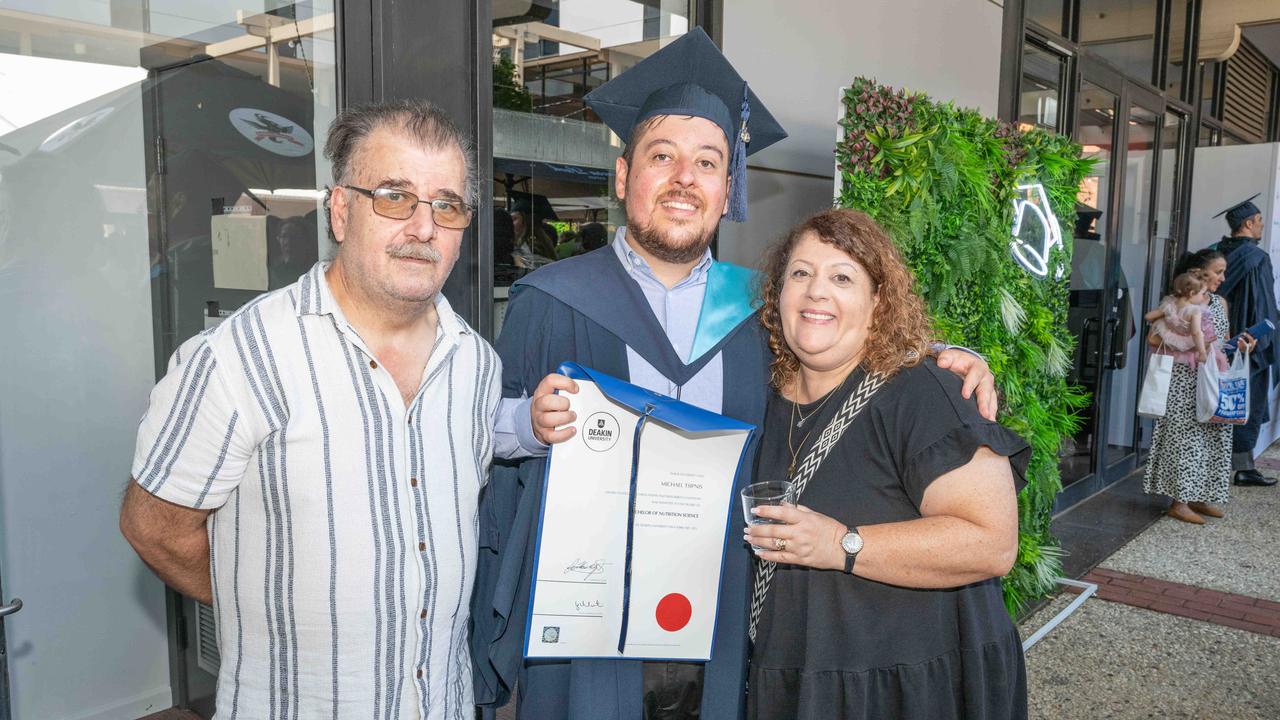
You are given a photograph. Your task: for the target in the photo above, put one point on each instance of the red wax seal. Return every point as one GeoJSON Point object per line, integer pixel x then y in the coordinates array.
{"type": "Point", "coordinates": [673, 612]}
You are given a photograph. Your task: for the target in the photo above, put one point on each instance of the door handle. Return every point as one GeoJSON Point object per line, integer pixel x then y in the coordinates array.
{"type": "Point", "coordinates": [14, 606]}
{"type": "Point", "coordinates": [1114, 358]}
{"type": "Point", "coordinates": [1089, 349]}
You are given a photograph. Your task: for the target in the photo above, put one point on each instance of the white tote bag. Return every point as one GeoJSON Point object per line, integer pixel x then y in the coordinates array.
{"type": "Point", "coordinates": [1223, 397]}
{"type": "Point", "coordinates": [1155, 387]}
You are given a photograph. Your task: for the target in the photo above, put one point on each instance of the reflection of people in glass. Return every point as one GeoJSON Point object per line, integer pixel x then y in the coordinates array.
{"type": "Point", "coordinates": [594, 236]}
{"type": "Point", "coordinates": [1249, 289]}
{"type": "Point", "coordinates": [292, 250]}
{"type": "Point", "coordinates": [632, 311]}
{"type": "Point", "coordinates": [531, 236]}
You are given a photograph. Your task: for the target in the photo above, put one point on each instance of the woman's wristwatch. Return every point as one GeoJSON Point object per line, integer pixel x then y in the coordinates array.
{"type": "Point", "coordinates": [851, 543]}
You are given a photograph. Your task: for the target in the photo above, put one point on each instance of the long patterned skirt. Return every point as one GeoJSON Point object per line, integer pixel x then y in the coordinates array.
{"type": "Point", "coordinates": [1190, 461]}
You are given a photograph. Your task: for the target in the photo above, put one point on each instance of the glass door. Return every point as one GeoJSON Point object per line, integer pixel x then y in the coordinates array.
{"type": "Point", "coordinates": [1089, 307]}
{"type": "Point", "coordinates": [1135, 253]}
{"type": "Point", "coordinates": [1116, 258]}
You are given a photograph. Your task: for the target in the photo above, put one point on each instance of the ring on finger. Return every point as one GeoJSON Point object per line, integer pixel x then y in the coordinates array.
{"type": "Point", "coordinates": [779, 544]}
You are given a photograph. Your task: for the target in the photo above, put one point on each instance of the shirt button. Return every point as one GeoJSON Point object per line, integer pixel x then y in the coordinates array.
{"type": "Point", "coordinates": [419, 673]}
{"type": "Point", "coordinates": [413, 482]}
{"type": "Point", "coordinates": [422, 546]}
{"type": "Point", "coordinates": [423, 614]}
{"type": "Point", "coordinates": [373, 364]}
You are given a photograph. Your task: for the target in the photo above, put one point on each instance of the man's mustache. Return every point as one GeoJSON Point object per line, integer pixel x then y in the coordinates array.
{"type": "Point", "coordinates": [415, 251]}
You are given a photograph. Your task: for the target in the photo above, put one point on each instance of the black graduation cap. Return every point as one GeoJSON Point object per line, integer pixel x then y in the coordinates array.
{"type": "Point", "coordinates": [691, 77]}
{"type": "Point", "coordinates": [532, 204]}
{"type": "Point", "coordinates": [1240, 212]}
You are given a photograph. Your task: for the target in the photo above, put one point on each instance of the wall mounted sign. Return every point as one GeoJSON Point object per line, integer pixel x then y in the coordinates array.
{"type": "Point", "coordinates": [272, 132]}
{"type": "Point", "coordinates": [1035, 231]}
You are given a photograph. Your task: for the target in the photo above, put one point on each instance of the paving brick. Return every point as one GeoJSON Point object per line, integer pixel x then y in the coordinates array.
{"type": "Point", "coordinates": [1238, 603]}
{"type": "Point", "coordinates": [1267, 619]}
{"type": "Point", "coordinates": [1188, 613]}
{"type": "Point", "coordinates": [1267, 604]}
{"type": "Point", "coordinates": [1186, 593]}
{"type": "Point", "coordinates": [1103, 572]}
{"type": "Point", "coordinates": [1132, 585]}
{"type": "Point", "coordinates": [1245, 625]}
{"type": "Point", "coordinates": [1212, 596]}
{"type": "Point", "coordinates": [1151, 598]}
{"type": "Point", "coordinates": [1216, 610]}
{"type": "Point", "coordinates": [1162, 585]}
{"type": "Point", "coordinates": [1171, 608]}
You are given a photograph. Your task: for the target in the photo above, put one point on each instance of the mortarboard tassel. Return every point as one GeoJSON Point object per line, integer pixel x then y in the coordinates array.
{"type": "Point", "coordinates": [738, 167]}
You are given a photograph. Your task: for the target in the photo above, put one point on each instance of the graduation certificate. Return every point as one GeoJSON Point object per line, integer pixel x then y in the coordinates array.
{"type": "Point", "coordinates": [635, 516]}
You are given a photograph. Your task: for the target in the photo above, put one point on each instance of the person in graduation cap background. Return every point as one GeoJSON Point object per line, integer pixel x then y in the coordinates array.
{"type": "Point", "coordinates": [1249, 289]}
{"type": "Point", "coordinates": [653, 308]}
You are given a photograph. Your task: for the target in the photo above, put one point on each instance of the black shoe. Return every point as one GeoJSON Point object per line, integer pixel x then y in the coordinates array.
{"type": "Point", "coordinates": [1253, 478]}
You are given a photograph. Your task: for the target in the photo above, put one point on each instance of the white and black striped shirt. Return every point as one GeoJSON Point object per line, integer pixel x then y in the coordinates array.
{"type": "Point", "coordinates": [344, 537]}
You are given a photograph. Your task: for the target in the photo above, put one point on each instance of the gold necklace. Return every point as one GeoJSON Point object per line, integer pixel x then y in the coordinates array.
{"type": "Point", "coordinates": [795, 410]}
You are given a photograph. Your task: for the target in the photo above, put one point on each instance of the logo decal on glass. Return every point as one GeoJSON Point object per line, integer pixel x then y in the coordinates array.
{"type": "Point", "coordinates": [1035, 231]}
{"type": "Point", "coordinates": [74, 129]}
{"type": "Point", "coordinates": [272, 132]}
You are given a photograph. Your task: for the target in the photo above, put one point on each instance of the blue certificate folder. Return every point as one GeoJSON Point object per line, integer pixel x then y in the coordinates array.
{"type": "Point", "coordinates": [632, 529]}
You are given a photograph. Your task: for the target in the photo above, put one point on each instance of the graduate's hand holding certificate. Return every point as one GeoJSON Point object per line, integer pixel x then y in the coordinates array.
{"type": "Point", "coordinates": [634, 522]}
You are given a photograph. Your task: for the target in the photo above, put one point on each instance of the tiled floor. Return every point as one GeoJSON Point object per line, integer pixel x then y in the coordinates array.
{"type": "Point", "coordinates": [1101, 525]}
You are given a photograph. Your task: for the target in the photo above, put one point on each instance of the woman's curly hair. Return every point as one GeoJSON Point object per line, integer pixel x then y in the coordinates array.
{"type": "Point", "coordinates": [900, 330]}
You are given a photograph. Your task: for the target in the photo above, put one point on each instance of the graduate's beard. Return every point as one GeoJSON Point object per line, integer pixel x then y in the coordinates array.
{"type": "Point", "coordinates": [667, 249]}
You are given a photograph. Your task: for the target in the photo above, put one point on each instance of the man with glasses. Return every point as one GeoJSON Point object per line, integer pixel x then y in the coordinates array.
{"type": "Point", "coordinates": [656, 309]}
{"type": "Point", "coordinates": [312, 465]}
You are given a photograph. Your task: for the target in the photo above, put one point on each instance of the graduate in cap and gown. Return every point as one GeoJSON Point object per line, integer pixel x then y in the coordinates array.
{"type": "Point", "coordinates": [653, 308]}
{"type": "Point", "coordinates": [1249, 289]}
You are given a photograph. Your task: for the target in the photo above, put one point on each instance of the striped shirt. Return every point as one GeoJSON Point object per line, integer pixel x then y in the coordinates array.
{"type": "Point", "coordinates": [343, 536]}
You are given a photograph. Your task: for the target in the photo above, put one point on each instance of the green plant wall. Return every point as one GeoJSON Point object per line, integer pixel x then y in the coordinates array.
{"type": "Point", "coordinates": [943, 181]}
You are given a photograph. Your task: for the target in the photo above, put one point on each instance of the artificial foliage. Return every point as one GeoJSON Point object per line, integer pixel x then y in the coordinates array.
{"type": "Point", "coordinates": [943, 181]}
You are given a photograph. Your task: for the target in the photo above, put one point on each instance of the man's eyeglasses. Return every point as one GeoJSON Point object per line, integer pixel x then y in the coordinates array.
{"type": "Point", "coordinates": [401, 204]}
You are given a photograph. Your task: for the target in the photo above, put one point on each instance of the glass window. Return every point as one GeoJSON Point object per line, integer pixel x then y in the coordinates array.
{"type": "Point", "coordinates": [1208, 136]}
{"type": "Point", "coordinates": [1177, 48]}
{"type": "Point", "coordinates": [1049, 14]}
{"type": "Point", "coordinates": [1208, 88]}
{"type": "Point", "coordinates": [1121, 32]}
{"type": "Point", "coordinates": [1229, 139]}
{"type": "Point", "coordinates": [1041, 91]}
{"type": "Point", "coordinates": [553, 159]}
{"type": "Point", "coordinates": [159, 167]}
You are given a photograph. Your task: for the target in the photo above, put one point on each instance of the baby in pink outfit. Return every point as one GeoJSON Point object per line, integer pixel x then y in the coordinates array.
{"type": "Point", "coordinates": [1185, 328]}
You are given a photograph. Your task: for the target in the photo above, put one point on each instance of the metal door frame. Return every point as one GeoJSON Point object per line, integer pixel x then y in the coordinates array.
{"type": "Point", "coordinates": [1127, 93]}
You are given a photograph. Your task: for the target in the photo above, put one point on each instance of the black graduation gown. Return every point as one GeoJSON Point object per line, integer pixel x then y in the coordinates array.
{"type": "Point", "coordinates": [1249, 289]}
{"type": "Point", "coordinates": [588, 310]}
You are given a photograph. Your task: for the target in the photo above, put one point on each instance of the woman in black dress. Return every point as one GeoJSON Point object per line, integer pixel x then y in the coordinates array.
{"type": "Point", "coordinates": [885, 598]}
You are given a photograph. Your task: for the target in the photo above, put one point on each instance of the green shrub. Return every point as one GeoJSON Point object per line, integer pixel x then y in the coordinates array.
{"type": "Point", "coordinates": [943, 182]}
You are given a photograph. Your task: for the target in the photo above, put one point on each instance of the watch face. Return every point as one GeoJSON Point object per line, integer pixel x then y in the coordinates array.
{"type": "Point", "coordinates": [852, 543]}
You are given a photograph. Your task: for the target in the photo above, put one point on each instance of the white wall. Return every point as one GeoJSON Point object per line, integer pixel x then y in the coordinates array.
{"type": "Point", "coordinates": [798, 55]}
{"type": "Point", "coordinates": [776, 202]}
{"type": "Point", "coordinates": [76, 366]}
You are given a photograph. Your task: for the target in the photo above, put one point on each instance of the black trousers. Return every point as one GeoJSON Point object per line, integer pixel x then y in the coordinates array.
{"type": "Point", "coordinates": [672, 690]}
{"type": "Point", "coordinates": [1245, 437]}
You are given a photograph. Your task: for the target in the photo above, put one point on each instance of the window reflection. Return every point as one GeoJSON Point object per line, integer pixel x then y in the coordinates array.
{"type": "Point", "coordinates": [1121, 32]}
{"type": "Point", "coordinates": [553, 159]}
{"type": "Point", "coordinates": [1041, 92]}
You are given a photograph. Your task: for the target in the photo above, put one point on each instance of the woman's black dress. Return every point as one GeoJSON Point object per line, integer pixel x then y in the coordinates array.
{"type": "Point", "coordinates": [833, 646]}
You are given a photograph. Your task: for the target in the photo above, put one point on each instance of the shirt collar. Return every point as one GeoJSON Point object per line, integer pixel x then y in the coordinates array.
{"type": "Point", "coordinates": [317, 299]}
{"type": "Point", "coordinates": [634, 263]}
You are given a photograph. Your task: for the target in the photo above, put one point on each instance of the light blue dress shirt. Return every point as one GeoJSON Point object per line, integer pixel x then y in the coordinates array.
{"type": "Point", "coordinates": [677, 310]}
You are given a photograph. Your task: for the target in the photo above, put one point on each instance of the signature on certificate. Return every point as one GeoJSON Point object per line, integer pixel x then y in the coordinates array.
{"type": "Point", "coordinates": [588, 605]}
{"type": "Point", "coordinates": [586, 569]}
